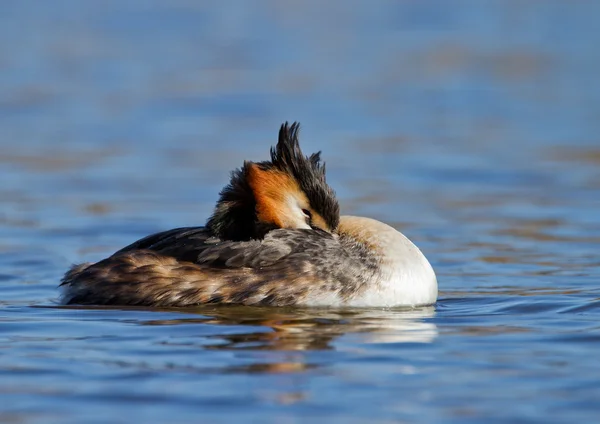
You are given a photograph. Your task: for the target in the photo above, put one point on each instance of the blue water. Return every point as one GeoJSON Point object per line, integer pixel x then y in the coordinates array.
{"type": "Point", "coordinates": [473, 127]}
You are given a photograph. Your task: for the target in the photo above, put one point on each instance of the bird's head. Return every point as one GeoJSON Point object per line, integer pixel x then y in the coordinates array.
{"type": "Point", "coordinates": [289, 191]}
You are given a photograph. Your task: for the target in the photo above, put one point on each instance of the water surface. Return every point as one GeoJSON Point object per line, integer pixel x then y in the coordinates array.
{"type": "Point", "coordinates": [472, 128]}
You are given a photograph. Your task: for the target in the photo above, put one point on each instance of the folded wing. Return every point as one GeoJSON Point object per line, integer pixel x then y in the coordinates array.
{"type": "Point", "coordinates": [187, 266]}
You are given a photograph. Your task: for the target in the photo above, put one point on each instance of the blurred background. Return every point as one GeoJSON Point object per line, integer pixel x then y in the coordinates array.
{"type": "Point", "coordinates": [116, 112]}
{"type": "Point", "coordinates": [471, 126]}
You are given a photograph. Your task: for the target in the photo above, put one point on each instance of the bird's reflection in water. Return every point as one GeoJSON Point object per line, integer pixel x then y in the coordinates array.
{"type": "Point", "coordinates": [311, 329]}
{"type": "Point", "coordinates": [280, 340]}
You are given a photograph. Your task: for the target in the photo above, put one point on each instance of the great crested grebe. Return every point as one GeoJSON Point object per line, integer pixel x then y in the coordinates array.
{"type": "Point", "coordinates": [275, 238]}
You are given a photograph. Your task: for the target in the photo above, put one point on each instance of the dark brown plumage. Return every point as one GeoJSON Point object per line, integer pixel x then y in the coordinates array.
{"type": "Point", "coordinates": [188, 266]}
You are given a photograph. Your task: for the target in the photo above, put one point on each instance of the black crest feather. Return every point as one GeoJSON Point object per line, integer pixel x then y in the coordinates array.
{"type": "Point", "coordinates": [288, 156]}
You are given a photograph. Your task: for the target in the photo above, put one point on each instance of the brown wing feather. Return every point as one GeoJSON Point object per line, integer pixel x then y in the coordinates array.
{"type": "Point", "coordinates": [184, 244]}
{"type": "Point", "coordinates": [283, 269]}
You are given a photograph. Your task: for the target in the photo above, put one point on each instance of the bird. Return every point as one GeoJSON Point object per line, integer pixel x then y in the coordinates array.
{"type": "Point", "coordinates": [275, 238]}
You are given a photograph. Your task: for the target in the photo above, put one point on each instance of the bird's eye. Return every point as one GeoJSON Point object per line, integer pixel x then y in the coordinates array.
{"type": "Point", "coordinates": [307, 214]}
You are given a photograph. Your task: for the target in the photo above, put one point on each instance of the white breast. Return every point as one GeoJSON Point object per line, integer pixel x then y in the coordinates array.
{"type": "Point", "coordinates": [405, 279]}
